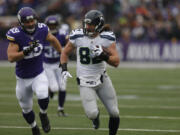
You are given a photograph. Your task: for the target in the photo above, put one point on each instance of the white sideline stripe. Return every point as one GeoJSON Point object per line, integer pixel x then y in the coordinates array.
{"type": "Point", "coordinates": [77, 98]}
{"type": "Point", "coordinates": [101, 129]}
{"type": "Point", "coordinates": [146, 65]}
{"type": "Point", "coordinates": [100, 105]}
{"type": "Point", "coordinates": [105, 116]}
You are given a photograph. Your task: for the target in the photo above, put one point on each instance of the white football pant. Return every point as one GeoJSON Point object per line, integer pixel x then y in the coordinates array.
{"type": "Point", "coordinates": [26, 87]}
{"type": "Point", "coordinates": [106, 94]}
{"type": "Point", "coordinates": [53, 73]}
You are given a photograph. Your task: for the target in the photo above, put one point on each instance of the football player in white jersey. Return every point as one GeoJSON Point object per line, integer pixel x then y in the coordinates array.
{"type": "Point", "coordinates": [95, 46]}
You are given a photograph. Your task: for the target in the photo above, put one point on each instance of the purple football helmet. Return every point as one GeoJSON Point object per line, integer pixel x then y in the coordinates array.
{"type": "Point", "coordinates": [53, 22]}
{"type": "Point", "coordinates": [25, 15]}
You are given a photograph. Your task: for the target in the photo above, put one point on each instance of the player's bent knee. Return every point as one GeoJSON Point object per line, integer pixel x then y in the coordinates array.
{"type": "Point", "coordinates": [92, 114]}
{"type": "Point", "coordinates": [114, 112]}
{"type": "Point", "coordinates": [26, 106]}
{"type": "Point", "coordinates": [26, 109]}
{"type": "Point", "coordinates": [54, 88]}
{"type": "Point", "coordinates": [41, 95]}
{"type": "Point", "coordinates": [42, 92]}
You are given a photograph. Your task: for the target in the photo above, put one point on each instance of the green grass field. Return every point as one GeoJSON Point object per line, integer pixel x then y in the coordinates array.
{"type": "Point", "coordinates": [149, 104]}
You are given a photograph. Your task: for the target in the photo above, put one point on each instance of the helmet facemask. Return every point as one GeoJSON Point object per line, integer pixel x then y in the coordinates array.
{"type": "Point", "coordinates": [53, 27]}
{"type": "Point", "coordinates": [27, 19]}
{"type": "Point", "coordinates": [96, 19]}
{"type": "Point", "coordinates": [53, 22]}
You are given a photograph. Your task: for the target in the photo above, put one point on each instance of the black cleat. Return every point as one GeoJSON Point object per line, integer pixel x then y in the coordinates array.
{"type": "Point", "coordinates": [36, 131]}
{"type": "Point", "coordinates": [96, 122]}
{"type": "Point", "coordinates": [45, 122]}
{"type": "Point", "coordinates": [61, 113]}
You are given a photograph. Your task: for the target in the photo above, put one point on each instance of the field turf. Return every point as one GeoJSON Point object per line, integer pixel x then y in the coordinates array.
{"type": "Point", "coordinates": [149, 104]}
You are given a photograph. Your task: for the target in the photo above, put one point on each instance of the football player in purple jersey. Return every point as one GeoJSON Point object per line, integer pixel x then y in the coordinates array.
{"type": "Point", "coordinates": [26, 43]}
{"type": "Point", "coordinates": [51, 63]}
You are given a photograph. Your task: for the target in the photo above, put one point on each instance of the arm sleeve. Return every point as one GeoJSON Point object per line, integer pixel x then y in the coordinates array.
{"type": "Point", "coordinates": [12, 35]}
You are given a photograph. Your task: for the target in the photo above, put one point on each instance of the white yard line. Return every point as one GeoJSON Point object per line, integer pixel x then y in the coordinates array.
{"type": "Point", "coordinates": [103, 116]}
{"type": "Point", "coordinates": [72, 97]}
{"type": "Point", "coordinates": [101, 129]}
{"type": "Point", "coordinates": [102, 106]}
{"type": "Point", "coordinates": [53, 104]}
{"type": "Point", "coordinates": [160, 65]}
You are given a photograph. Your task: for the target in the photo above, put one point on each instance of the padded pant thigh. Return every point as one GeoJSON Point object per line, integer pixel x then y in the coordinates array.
{"type": "Point", "coordinates": [40, 86]}
{"type": "Point", "coordinates": [108, 96]}
{"type": "Point", "coordinates": [24, 96]}
{"type": "Point", "coordinates": [52, 80]}
{"type": "Point", "coordinates": [88, 96]}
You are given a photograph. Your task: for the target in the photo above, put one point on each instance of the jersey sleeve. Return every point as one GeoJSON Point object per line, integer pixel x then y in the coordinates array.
{"type": "Point", "coordinates": [109, 38]}
{"type": "Point", "coordinates": [12, 35]}
{"type": "Point", "coordinates": [75, 34]}
{"type": "Point", "coordinates": [61, 38]}
{"type": "Point", "coordinates": [43, 29]}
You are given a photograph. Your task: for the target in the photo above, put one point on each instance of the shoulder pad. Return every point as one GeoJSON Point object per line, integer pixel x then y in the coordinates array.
{"type": "Point", "coordinates": [42, 25]}
{"type": "Point", "coordinates": [12, 33]}
{"type": "Point", "coordinates": [77, 33]}
{"type": "Point", "coordinates": [109, 35]}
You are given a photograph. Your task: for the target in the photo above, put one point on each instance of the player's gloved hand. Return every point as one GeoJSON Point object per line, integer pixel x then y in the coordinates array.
{"type": "Point", "coordinates": [31, 47]}
{"type": "Point", "coordinates": [96, 51]}
{"type": "Point", "coordinates": [100, 53]}
{"type": "Point", "coordinates": [64, 76]}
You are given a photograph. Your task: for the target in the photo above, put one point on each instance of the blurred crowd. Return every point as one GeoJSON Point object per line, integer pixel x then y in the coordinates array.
{"type": "Point", "coordinates": [131, 20]}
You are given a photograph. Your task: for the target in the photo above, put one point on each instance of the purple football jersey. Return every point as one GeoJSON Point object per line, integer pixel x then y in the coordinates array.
{"type": "Point", "coordinates": [50, 54]}
{"type": "Point", "coordinates": [31, 65]}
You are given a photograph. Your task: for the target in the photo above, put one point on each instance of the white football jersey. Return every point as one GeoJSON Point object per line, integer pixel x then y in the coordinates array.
{"type": "Point", "coordinates": [86, 65]}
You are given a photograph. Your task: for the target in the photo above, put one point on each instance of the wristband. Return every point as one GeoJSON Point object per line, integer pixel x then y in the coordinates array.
{"type": "Point", "coordinates": [63, 66]}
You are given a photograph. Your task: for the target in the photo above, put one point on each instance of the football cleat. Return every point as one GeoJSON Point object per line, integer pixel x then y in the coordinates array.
{"type": "Point", "coordinates": [45, 122]}
{"type": "Point", "coordinates": [61, 113]}
{"type": "Point", "coordinates": [96, 122]}
{"type": "Point", "coordinates": [36, 131]}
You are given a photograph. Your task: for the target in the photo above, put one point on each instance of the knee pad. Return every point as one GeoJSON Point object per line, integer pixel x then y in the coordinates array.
{"type": "Point", "coordinates": [26, 106]}
{"type": "Point", "coordinates": [41, 94]}
{"type": "Point", "coordinates": [26, 110]}
{"type": "Point", "coordinates": [114, 112]}
{"type": "Point", "coordinates": [54, 87]}
{"type": "Point", "coordinates": [92, 114]}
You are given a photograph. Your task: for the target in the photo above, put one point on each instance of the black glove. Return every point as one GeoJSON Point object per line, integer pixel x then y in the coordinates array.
{"type": "Point", "coordinates": [30, 48]}
{"type": "Point", "coordinates": [104, 56]}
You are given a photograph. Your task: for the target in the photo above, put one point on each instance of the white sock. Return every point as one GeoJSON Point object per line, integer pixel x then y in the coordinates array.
{"type": "Point", "coordinates": [33, 124]}
{"type": "Point", "coordinates": [43, 111]}
{"type": "Point", "coordinates": [60, 108]}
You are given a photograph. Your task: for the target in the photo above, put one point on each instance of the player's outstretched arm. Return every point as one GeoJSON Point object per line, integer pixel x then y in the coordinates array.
{"type": "Point", "coordinates": [54, 42]}
{"type": "Point", "coordinates": [66, 52]}
{"type": "Point", "coordinates": [64, 59]}
{"type": "Point", "coordinates": [13, 52]}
